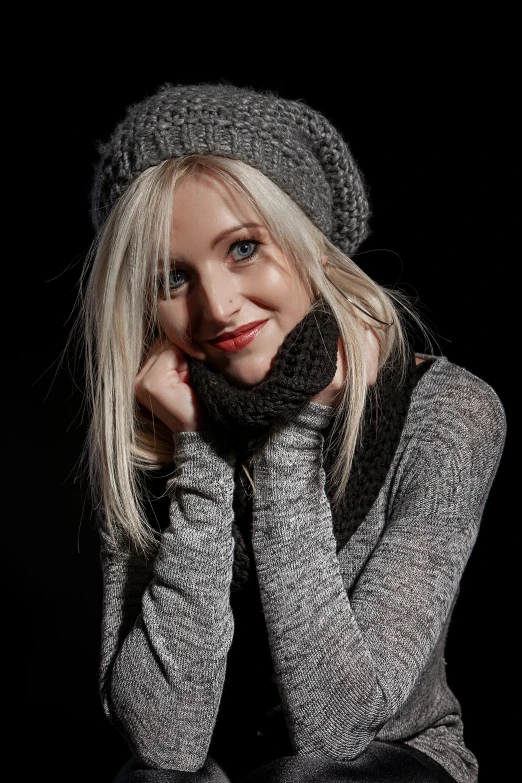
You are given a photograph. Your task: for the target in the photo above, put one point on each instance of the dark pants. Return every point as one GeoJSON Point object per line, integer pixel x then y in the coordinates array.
{"type": "Point", "coordinates": [381, 762]}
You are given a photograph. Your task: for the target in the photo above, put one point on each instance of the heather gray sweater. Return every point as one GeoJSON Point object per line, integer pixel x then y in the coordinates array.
{"type": "Point", "coordinates": [357, 638]}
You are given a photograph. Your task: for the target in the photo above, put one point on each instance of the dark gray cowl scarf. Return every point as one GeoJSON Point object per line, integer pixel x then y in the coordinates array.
{"type": "Point", "coordinates": [304, 365]}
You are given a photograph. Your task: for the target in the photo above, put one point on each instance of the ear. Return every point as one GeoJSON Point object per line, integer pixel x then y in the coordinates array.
{"type": "Point", "coordinates": [324, 261]}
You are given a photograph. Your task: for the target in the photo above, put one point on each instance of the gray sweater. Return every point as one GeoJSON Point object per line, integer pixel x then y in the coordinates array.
{"type": "Point", "coordinates": [356, 638]}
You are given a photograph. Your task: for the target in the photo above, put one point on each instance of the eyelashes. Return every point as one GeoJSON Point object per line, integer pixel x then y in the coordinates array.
{"type": "Point", "coordinates": [245, 249]}
{"type": "Point", "coordinates": [175, 279]}
{"type": "Point", "coordinates": [240, 252]}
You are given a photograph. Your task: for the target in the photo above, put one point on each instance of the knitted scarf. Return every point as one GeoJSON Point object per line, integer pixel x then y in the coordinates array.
{"type": "Point", "coordinates": [305, 364]}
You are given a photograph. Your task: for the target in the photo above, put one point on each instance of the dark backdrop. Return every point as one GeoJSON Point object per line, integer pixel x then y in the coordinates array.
{"type": "Point", "coordinates": [423, 124]}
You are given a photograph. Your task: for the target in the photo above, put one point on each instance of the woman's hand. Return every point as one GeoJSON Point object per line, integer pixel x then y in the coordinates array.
{"type": "Point", "coordinates": [332, 395]}
{"type": "Point", "coordinates": [162, 386]}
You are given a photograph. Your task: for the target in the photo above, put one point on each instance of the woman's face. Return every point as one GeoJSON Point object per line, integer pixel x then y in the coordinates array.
{"type": "Point", "coordinates": [234, 294]}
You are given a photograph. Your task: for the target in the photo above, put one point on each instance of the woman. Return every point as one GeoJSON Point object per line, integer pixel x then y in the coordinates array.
{"type": "Point", "coordinates": [287, 621]}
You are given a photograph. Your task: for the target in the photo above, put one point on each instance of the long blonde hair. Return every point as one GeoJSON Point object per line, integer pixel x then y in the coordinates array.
{"type": "Point", "coordinates": [119, 316]}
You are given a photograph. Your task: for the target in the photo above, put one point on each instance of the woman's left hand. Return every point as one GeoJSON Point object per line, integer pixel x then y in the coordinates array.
{"type": "Point", "coordinates": [332, 395]}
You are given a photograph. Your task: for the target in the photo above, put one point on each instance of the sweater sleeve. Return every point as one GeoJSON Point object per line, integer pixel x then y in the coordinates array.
{"type": "Point", "coordinates": [345, 665]}
{"type": "Point", "coordinates": [167, 623]}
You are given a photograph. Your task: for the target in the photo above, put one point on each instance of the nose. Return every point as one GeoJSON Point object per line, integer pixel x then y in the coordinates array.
{"type": "Point", "coordinates": [216, 297]}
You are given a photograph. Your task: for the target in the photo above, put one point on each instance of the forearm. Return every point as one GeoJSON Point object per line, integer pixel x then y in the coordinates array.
{"type": "Point", "coordinates": [325, 672]}
{"type": "Point", "coordinates": [166, 679]}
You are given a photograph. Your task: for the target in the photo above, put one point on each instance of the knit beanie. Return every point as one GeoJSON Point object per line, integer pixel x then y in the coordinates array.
{"type": "Point", "coordinates": [292, 144]}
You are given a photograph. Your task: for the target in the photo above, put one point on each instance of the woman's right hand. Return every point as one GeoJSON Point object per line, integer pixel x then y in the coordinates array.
{"type": "Point", "coordinates": [162, 386]}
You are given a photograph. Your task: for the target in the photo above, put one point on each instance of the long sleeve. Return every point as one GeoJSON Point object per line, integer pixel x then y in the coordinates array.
{"type": "Point", "coordinates": [167, 624]}
{"type": "Point", "coordinates": [346, 664]}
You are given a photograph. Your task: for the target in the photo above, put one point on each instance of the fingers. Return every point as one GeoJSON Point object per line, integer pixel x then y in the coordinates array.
{"type": "Point", "coordinates": [165, 365]}
{"type": "Point", "coordinates": [158, 347]}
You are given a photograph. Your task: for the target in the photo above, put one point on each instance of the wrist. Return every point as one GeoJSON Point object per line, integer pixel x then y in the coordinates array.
{"type": "Point", "coordinates": [298, 441]}
{"type": "Point", "coordinates": [314, 416]}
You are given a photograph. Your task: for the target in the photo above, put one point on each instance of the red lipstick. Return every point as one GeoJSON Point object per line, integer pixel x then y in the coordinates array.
{"type": "Point", "coordinates": [239, 338]}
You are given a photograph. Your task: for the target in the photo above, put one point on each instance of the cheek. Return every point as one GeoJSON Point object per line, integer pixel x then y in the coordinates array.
{"type": "Point", "coordinates": [174, 322]}
{"type": "Point", "coordinates": [168, 319]}
{"type": "Point", "coordinates": [297, 301]}
{"type": "Point", "coordinates": [284, 290]}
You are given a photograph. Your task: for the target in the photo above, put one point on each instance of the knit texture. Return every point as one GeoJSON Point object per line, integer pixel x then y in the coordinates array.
{"type": "Point", "coordinates": [354, 636]}
{"type": "Point", "coordinates": [304, 365]}
{"type": "Point", "coordinates": [291, 143]}
{"type": "Point", "coordinates": [381, 431]}
{"type": "Point", "coordinates": [384, 416]}
{"type": "Point", "coordinates": [250, 650]}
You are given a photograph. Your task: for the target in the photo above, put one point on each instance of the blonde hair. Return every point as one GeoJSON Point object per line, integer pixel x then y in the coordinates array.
{"type": "Point", "coordinates": [119, 316]}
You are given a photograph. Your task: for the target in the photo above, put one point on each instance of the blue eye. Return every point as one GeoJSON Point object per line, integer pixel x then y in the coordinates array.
{"type": "Point", "coordinates": [243, 250]}
{"type": "Point", "coordinates": [176, 279]}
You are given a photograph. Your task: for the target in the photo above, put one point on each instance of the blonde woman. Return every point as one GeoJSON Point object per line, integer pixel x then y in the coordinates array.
{"type": "Point", "coordinates": [287, 621]}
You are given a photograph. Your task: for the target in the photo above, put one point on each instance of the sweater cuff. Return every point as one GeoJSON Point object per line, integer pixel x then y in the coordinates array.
{"type": "Point", "coordinates": [199, 449]}
{"type": "Point", "coordinates": [303, 431]}
{"type": "Point", "coordinates": [314, 416]}
{"type": "Point", "coordinates": [297, 444]}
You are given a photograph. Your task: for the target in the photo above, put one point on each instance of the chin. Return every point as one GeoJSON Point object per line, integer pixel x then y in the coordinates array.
{"type": "Point", "coordinates": [245, 381]}
{"type": "Point", "coordinates": [244, 377]}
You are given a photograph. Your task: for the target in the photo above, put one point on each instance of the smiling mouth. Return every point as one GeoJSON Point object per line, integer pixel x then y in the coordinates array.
{"type": "Point", "coordinates": [239, 338]}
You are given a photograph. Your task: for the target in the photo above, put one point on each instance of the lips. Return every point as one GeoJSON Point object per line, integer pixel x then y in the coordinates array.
{"type": "Point", "coordinates": [238, 338]}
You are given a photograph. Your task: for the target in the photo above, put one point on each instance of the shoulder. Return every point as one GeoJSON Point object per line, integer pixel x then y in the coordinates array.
{"type": "Point", "coordinates": [451, 443]}
{"type": "Point", "coordinates": [449, 398]}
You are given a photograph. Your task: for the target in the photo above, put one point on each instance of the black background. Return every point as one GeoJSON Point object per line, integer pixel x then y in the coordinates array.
{"type": "Point", "coordinates": [425, 123]}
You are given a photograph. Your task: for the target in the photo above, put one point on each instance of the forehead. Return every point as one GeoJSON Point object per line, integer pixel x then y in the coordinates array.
{"type": "Point", "coordinates": [203, 197]}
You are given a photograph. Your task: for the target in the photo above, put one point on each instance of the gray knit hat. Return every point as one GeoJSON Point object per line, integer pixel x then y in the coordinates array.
{"type": "Point", "coordinates": [292, 144]}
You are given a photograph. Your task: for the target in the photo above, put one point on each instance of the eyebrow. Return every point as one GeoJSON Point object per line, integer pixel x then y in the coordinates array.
{"type": "Point", "coordinates": [232, 230]}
